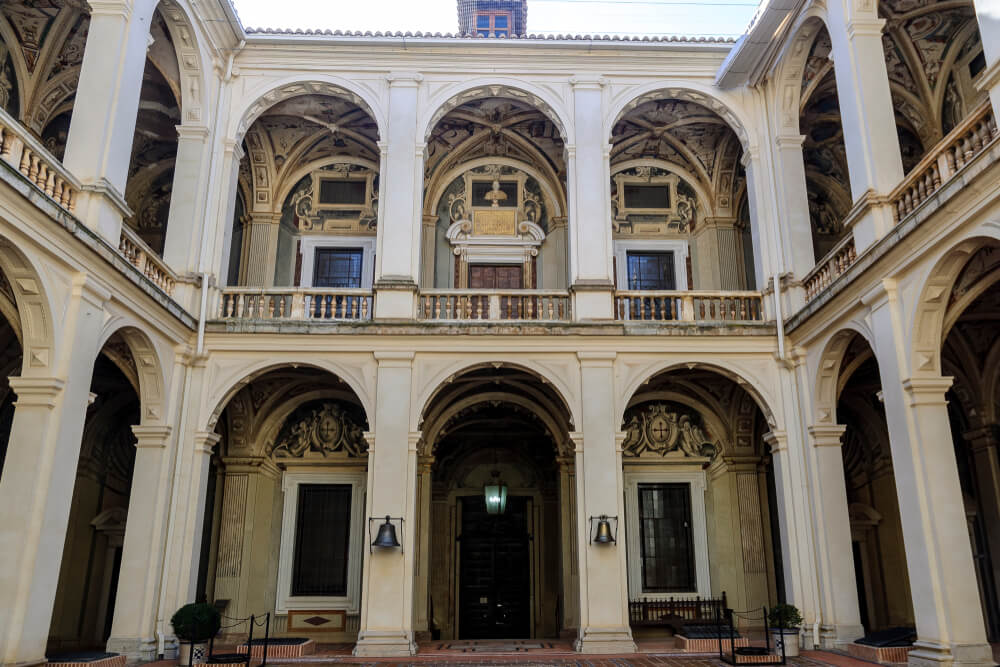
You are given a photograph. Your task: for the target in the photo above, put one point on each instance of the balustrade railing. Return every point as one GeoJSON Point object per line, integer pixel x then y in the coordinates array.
{"type": "Point", "coordinates": [142, 257]}
{"type": "Point", "coordinates": [958, 147]}
{"type": "Point", "coordinates": [255, 303]}
{"type": "Point", "coordinates": [691, 306]}
{"type": "Point", "coordinates": [494, 305]}
{"type": "Point", "coordinates": [830, 267]}
{"type": "Point", "coordinates": [26, 154]}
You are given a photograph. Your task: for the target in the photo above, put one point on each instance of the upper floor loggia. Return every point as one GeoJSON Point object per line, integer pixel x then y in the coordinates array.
{"type": "Point", "coordinates": [665, 180]}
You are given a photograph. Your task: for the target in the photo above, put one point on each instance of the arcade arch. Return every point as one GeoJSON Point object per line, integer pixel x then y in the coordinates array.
{"type": "Point", "coordinates": [680, 209]}
{"type": "Point", "coordinates": [694, 460]}
{"type": "Point", "coordinates": [507, 575]}
{"type": "Point", "coordinates": [292, 457]}
{"type": "Point", "coordinates": [495, 194]}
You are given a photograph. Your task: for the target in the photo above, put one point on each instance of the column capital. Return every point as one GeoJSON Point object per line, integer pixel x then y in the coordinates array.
{"type": "Point", "coordinates": [576, 437]}
{"type": "Point", "coordinates": [404, 79]}
{"type": "Point", "coordinates": [394, 358]}
{"type": "Point", "coordinates": [198, 133]}
{"type": "Point", "coordinates": [103, 188]}
{"type": "Point", "coordinates": [861, 27]}
{"type": "Point", "coordinates": [152, 436]}
{"type": "Point", "coordinates": [204, 441]}
{"type": "Point", "coordinates": [121, 8]}
{"type": "Point", "coordinates": [790, 142]}
{"type": "Point", "coordinates": [234, 148]}
{"type": "Point", "coordinates": [827, 435]}
{"type": "Point", "coordinates": [597, 359]}
{"type": "Point", "coordinates": [927, 390]}
{"type": "Point", "coordinates": [36, 391]}
{"type": "Point", "coordinates": [777, 441]}
{"type": "Point", "coordinates": [587, 82]}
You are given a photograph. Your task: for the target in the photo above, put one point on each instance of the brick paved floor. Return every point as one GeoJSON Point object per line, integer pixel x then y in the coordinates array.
{"type": "Point", "coordinates": [554, 656]}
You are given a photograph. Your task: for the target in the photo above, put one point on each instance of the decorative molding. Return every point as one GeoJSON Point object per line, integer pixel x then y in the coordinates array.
{"type": "Point", "coordinates": [322, 430]}
{"type": "Point", "coordinates": [657, 429]}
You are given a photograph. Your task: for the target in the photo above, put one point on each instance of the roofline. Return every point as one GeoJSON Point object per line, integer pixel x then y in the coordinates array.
{"type": "Point", "coordinates": [369, 38]}
{"type": "Point", "coordinates": [751, 57]}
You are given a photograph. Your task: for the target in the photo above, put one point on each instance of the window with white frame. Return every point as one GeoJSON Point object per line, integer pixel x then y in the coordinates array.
{"type": "Point", "coordinates": [338, 261]}
{"type": "Point", "coordinates": [321, 553]}
{"type": "Point", "coordinates": [651, 264]}
{"type": "Point", "coordinates": [666, 532]}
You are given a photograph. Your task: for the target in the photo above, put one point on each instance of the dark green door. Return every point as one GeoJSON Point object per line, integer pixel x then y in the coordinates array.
{"type": "Point", "coordinates": [494, 574]}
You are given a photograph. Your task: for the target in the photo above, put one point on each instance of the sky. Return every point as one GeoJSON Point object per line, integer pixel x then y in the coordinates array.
{"type": "Point", "coordinates": [722, 18]}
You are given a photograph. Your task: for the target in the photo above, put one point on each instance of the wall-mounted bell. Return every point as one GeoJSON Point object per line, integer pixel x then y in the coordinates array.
{"type": "Point", "coordinates": [604, 535]}
{"type": "Point", "coordinates": [386, 536]}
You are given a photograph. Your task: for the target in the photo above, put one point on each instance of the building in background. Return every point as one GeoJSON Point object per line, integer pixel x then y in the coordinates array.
{"type": "Point", "coordinates": [263, 292]}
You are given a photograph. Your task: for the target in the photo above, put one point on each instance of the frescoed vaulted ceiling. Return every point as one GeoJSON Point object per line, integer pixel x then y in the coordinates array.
{"type": "Point", "coordinates": [297, 132]}
{"type": "Point", "coordinates": [689, 136]}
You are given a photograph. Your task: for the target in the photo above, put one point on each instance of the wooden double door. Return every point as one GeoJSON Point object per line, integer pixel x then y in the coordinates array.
{"type": "Point", "coordinates": [494, 600]}
{"type": "Point", "coordinates": [496, 276]}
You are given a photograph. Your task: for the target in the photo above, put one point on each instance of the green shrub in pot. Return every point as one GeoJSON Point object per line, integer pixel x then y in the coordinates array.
{"type": "Point", "coordinates": [784, 617]}
{"type": "Point", "coordinates": [196, 622]}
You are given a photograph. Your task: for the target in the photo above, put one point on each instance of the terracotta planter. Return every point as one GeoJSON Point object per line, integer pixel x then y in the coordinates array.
{"type": "Point", "coordinates": [790, 638]}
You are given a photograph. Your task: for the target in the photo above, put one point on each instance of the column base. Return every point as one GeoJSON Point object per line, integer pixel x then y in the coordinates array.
{"type": "Point", "coordinates": [385, 645]}
{"type": "Point", "coordinates": [134, 649]}
{"type": "Point", "coordinates": [936, 654]}
{"type": "Point", "coordinates": [593, 301]}
{"type": "Point", "coordinates": [395, 299]}
{"type": "Point", "coordinates": [839, 636]}
{"type": "Point", "coordinates": [618, 641]}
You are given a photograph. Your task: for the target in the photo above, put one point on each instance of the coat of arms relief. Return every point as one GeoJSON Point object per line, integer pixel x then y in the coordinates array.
{"type": "Point", "coordinates": [657, 428]}
{"type": "Point", "coordinates": [323, 430]}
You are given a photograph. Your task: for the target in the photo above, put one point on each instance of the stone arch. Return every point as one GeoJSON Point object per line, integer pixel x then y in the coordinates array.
{"type": "Point", "coordinates": [438, 382]}
{"type": "Point", "coordinates": [8, 36]}
{"type": "Point", "coordinates": [791, 68]}
{"type": "Point", "coordinates": [270, 93]}
{"type": "Point", "coordinates": [33, 308]}
{"type": "Point", "coordinates": [225, 389]}
{"type": "Point", "coordinates": [467, 91]}
{"type": "Point", "coordinates": [707, 408]}
{"type": "Point", "coordinates": [149, 368]}
{"type": "Point", "coordinates": [439, 420]}
{"type": "Point", "coordinates": [688, 92]}
{"type": "Point", "coordinates": [190, 58]}
{"type": "Point", "coordinates": [751, 385]}
{"type": "Point", "coordinates": [934, 302]}
{"type": "Point", "coordinates": [438, 184]}
{"type": "Point", "coordinates": [828, 372]}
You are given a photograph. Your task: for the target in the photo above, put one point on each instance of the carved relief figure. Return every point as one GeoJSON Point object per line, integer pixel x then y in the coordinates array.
{"type": "Point", "coordinates": [657, 428]}
{"type": "Point", "coordinates": [322, 430]}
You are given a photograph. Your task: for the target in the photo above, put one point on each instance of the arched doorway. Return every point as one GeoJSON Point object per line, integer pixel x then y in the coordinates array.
{"type": "Point", "coordinates": [10, 360]}
{"type": "Point", "coordinates": [701, 512]}
{"type": "Point", "coordinates": [884, 599]}
{"type": "Point", "coordinates": [970, 353]}
{"type": "Point", "coordinates": [92, 553]}
{"type": "Point", "coordinates": [484, 573]}
{"type": "Point", "coordinates": [284, 527]}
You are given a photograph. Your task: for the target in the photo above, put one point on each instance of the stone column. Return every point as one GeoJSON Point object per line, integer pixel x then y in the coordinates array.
{"type": "Point", "coordinates": [570, 563]}
{"type": "Point", "coordinates": [387, 582]}
{"type": "Point", "coordinates": [246, 534]}
{"type": "Point", "coordinates": [421, 618]}
{"type": "Point", "coordinates": [720, 265]}
{"type": "Point", "coordinates": [988, 13]}
{"type": "Point", "coordinates": [37, 489]}
{"type": "Point", "coordinates": [99, 146]}
{"type": "Point", "coordinates": [984, 444]}
{"type": "Point", "coordinates": [260, 249]}
{"type": "Point", "coordinates": [133, 630]}
{"type": "Point", "coordinates": [869, 124]}
{"type": "Point", "coordinates": [604, 621]}
{"type": "Point", "coordinates": [222, 215]}
{"type": "Point", "coordinates": [793, 222]}
{"type": "Point", "coordinates": [428, 255]}
{"type": "Point", "coordinates": [589, 183]}
{"type": "Point", "coordinates": [838, 586]}
{"type": "Point", "coordinates": [397, 254]}
{"type": "Point", "coordinates": [187, 200]}
{"type": "Point", "coordinates": [187, 515]}
{"type": "Point", "coordinates": [950, 626]}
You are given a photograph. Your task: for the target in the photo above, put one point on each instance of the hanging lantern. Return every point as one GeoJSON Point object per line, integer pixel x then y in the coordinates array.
{"type": "Point", "coordinates": [495, 494]}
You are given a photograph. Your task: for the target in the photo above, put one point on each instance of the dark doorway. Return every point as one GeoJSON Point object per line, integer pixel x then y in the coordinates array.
{"type": "Point", "coordinates": [494, 572]}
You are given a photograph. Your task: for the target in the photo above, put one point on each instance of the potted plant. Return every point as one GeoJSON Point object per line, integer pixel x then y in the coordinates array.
{"type": "Point", "coordinates": [784, 621]}
{"type": "Point", "coordinates": [194, 624]}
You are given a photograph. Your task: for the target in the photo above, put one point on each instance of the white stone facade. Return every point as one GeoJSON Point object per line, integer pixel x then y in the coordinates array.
{"type": "Point", "coordinates": [757, 349]}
